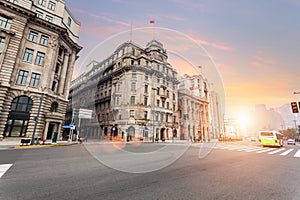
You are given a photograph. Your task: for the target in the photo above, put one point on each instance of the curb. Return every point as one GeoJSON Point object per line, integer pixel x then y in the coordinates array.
{"type": "Point", "coordinates": [40, 146]}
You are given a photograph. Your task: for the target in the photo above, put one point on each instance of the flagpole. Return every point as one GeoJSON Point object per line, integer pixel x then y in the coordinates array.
{"type": "Point", "coordinates": [131, 31]}
{"type": "Point", "coordinates": [153, 31]}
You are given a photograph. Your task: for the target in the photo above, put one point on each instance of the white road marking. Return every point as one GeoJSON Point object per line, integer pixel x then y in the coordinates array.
{"type": "Point", "coordinates": [273, 152]}
{"type": "Point", "coordinates": [297, 154]}
{"type": "Point", "coordinates": [4, 168]}
{"type": "Point", "coordinates": [286, 152]}
{"type": "Point", "coordinates": [265, 150]}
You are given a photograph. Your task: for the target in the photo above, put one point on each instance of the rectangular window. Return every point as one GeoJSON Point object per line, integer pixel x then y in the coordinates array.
{"type": "Point", "coordinates": [34, 81]}
{"type": "Point", "coordinates": [157, 103]}
{"type": "Point", "coordinates": [28, 55]}
{"type": "Point", "coordinates": [146, 88]}
{"type": "Point", "coordinates": [131, 113]}
{"type": "Point", "coordinates": [13, 1]}
{"type": "Point", "coordinates": [134, 75]}
{"type": "Point", "coordinates": [39, 14]}
{"type": "Point", "coordinates": [5, 22]}
{"type": "Point", "coordinates": [133, 86]}
{"type": "Point", "coordinates": [145, 101]}
{"type": "Point", "coordinates": [33, 36]}
{"type": "Point", "coordinates": [42, 2]}
{"type": "Point", "coordinates": [69, 22]}
{"type": "Point", "coordinates": [118, 87]}
{"type": "Point", "coordinates": [168, 105]}
{"type": "Point", "coordinates": [49, 18]}
{"type": "Point", "coordinates": [40, 58]}
{"type": "Point", "coordinates": [51, 5]}
{"type": "Point", "coordinates": [132, 100]}
{"type": "Point", "coordinates": [145, 115]}
{"type": "Point", "coordinates": [22, 77]}
{"type": "Point", "coordinates": [53, 86]}
{"type": "Point", "coordinates": [2, 40]}
{"type": "Point", "coordinates": [44, 40]}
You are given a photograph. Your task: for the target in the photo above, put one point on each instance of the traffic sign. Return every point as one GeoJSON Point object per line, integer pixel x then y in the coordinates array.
{"type": "Point", "coordinates": [71, 126]}
{"type": "Point", "coordinates": [85, 113]}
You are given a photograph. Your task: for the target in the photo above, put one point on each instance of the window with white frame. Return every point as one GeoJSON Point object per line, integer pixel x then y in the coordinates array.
{"type": "Point", "coordinates": [40, 56]}
{"type": "Point", "coordinates": [44, 40]}
{"type": "Point", "coordinates": [132, 100]}
{"type": "Point", "coordinates": [133, 86]}
{"type": "Point", "coordinates": [131, 113]}
{"type": "Point", "coordinates": [39, 14]}
{"type": "Point", "coordinates": [2, 40]}
{"type": "Point", "coordinates": [33, 36]}
{"type": "Point", "coordinates": [28, 55]}
{"type": "Point", "coordinates": [69, 22]}
{"type": "Point", "coordinates": [13, 1]}
{"type": "Point", "coordinates": [34, 81]}
{"type": "Point", "coordinates": [42, 2]}
{"type": "Point", "coordinates": [5, 22]}
{"type": "Point", "coordinates": [22, 77]}
{"type": "Point", "coordinates": [49, 18]}
{"type": "Point", "coordinates": [51, 5]}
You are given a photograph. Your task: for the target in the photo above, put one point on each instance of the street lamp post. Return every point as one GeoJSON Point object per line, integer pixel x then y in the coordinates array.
{"type": "Point", "coordinates": [153, 113]}
{"type": "Point", "coordinates": [36, 119]}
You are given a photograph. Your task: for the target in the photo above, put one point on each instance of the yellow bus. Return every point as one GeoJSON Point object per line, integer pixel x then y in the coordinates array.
{"type": "Point", "coordinates": [270, 138]}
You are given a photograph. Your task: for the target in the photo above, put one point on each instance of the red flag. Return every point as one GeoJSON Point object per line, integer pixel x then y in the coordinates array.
{"type": "Point", "coordinates": [152, 21]}
{"type": "Point", "coordinates": [192, 88]}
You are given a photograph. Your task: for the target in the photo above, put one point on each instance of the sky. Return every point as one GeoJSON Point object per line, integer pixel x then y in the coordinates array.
{"type": "Point", "coordinates": [254, 46]}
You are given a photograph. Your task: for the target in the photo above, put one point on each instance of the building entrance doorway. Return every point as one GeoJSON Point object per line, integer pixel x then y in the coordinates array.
{"type": "Point", "coordinates": [50, 131]}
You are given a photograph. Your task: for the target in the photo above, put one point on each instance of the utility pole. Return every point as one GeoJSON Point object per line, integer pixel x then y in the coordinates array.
{"type": "Point", "coordinates": [36, 119]}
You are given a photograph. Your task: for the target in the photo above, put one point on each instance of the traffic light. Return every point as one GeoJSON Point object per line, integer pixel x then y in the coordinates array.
{"type": "Point", "coordinates": [295, 107]}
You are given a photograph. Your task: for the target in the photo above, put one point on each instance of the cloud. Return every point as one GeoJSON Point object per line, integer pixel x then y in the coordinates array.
{"type": "Point", "coordinates": [104, 18]}
{"type": "Point", "coordinates": [220, 46]}
{"type": "Point", "coordinates": [260, 60]}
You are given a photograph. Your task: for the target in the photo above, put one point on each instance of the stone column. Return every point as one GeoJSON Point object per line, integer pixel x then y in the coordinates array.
{"type": "Point", "coordinates": [69, 75]}
{"type": "Point", "coordinates": [62, 79]}
{"type": "Point", "coordinates": [45, 131]}
{"type": "Point", "coordinates": [58, 131]}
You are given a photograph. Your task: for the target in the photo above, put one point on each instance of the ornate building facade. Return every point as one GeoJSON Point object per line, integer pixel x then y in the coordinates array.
{"type": "Point", "coordinates": [136, 92]}
{"type": "Point", "coordinates": [38, 49]}
{"type": "Point", "coordinates": [194, 110]}
{"type": "Point", "coordinates": [133, 92]}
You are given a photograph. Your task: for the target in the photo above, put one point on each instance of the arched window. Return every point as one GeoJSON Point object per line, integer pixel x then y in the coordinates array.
{"type": "Point", "coordinates": [54, 107]}
{"type": "Point", "coordinates": [18, 118]}
{"type": "Point", "coordinates": [21, 104]}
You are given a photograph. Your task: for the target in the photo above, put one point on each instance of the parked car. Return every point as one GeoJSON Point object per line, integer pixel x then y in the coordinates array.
{"type": "Point", "coordinates": [291, 141]}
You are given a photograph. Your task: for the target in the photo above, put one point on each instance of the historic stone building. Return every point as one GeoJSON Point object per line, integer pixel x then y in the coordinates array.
{"type": "Point", "coordinates": [194, 110]}
{"type": "Point", "coordinates": [133, 92]}
{"type": "Point", "coordinates": [38, 49]}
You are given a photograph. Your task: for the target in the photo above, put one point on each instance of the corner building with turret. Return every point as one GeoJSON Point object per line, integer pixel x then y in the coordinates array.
{"type": "Point", "coordinates": [133, 92]}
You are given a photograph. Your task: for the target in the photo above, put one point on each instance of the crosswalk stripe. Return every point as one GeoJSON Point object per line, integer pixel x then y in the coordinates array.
{"type": "Point", "coordinates": [255, 149]}
{"type": "Point", "coordinates": [286, 152]}
{"type": "Point", "coordinates": [297, 154]}
{"type": "Point", "coordinates": [265, 150]}
{"type": "Point", "coordinates": [273, 152]}
{"type": "Point", "coordinates": [283, 151]}
{"type": "Point", "coordinates": [4, 168]}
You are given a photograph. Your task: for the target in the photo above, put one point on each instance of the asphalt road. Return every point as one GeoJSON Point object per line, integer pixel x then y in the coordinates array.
{"type": "Point", "coordinates": [76, 172]}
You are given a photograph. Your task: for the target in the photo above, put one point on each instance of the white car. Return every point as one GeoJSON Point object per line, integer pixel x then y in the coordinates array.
{"type": "Point", "coordinates": [291, 141]}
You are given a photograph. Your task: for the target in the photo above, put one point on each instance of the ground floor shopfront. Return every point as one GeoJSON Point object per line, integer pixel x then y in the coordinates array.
{"type": "Point", "coordinates": [31, 114]}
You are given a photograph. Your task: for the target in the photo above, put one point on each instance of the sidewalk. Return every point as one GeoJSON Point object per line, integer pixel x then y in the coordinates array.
{"type": "Point", "coordinates": [16, 144]}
